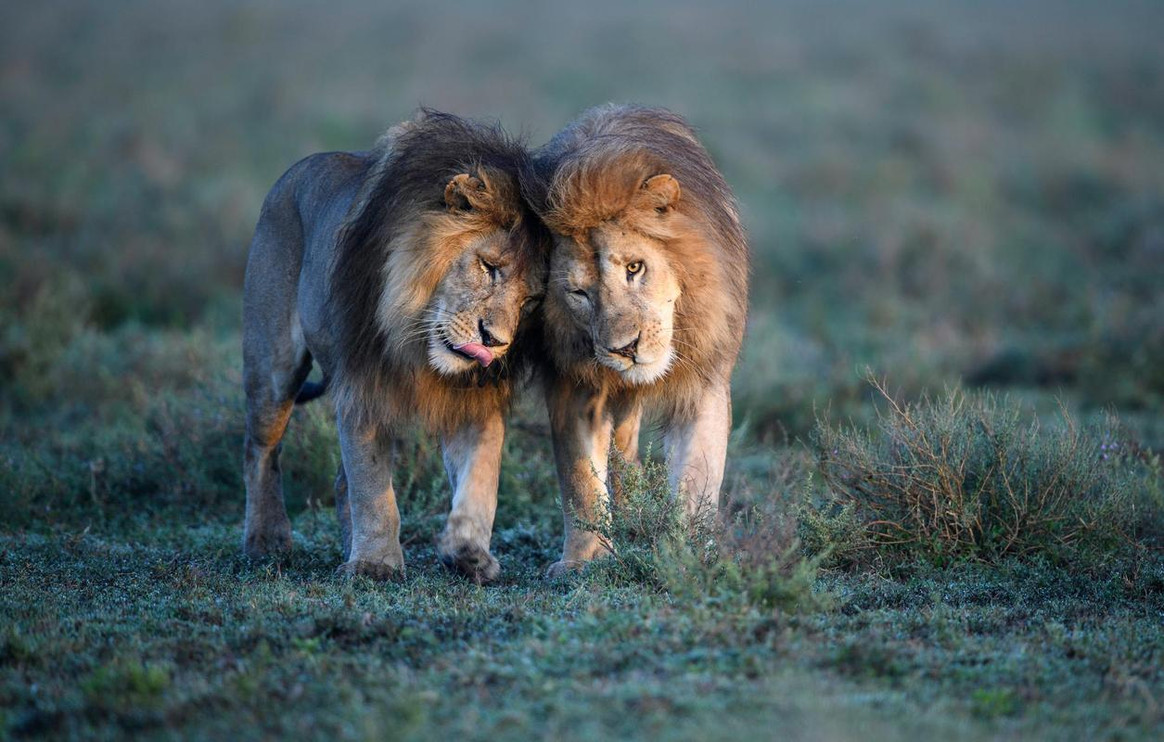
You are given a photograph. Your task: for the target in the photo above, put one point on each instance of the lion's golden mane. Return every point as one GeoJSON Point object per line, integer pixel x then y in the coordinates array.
{"type": "Point", "coordinates": [592, 172]}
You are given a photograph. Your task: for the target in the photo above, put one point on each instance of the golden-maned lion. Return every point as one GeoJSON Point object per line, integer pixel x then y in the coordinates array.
{"type": "Point", "coordinates": [408, 274]}
{"type": "Point", "coordinates": [645, 306]}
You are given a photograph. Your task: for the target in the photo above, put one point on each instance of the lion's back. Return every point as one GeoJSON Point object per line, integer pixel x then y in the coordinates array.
{"type": "Point", "coordinates": [290, 254]}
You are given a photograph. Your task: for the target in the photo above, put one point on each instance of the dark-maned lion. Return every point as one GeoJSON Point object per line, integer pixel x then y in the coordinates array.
{"type": "Point", "coordinates": [645, 305]}
{"type": "Point", "coordinates": [408, 274]}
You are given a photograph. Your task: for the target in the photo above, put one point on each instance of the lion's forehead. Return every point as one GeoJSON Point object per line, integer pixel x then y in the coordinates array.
{"type": "Point", "coordinates": [605, 249]}
{"type": "Point", "coordinates": [493, 243]}
{"type": "Point", "coordinates": [466, 279]}
{"type": "Point", "coordinates": [502, 247]}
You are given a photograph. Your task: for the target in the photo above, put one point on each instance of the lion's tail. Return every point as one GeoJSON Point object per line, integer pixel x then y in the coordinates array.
{"type": "Point", "coordinates": [311, 390]}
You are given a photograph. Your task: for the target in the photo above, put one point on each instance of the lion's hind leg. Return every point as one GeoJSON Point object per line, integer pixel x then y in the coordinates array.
{"type": "Point", "coordinates": [271, 387]}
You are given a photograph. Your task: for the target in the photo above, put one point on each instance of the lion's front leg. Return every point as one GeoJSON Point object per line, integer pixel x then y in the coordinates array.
{"type": "Point", "coordinates": [343, 512]}
{"type": "Point", "coordinates": [472, 458]}
{"type": "Point", "coordinates": [627, 421]}
{"type": "Point", "coordinates": [581, 425]}
{"type": "Point", "coordinates": [696, 452]}
{"type": "Point", "coordinates": [367, 452]}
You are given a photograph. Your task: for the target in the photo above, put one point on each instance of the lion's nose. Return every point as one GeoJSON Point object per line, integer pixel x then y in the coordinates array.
{"type": "Point", "coordinates": [488, 339]}
{"type": "Point", "coordinates": [628, 350]}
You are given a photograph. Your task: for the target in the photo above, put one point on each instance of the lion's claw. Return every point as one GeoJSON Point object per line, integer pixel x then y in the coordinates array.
{"type": "Point", "coordinates": [380, 571]}
{"type": "Point", "coordinates": [473, 562]}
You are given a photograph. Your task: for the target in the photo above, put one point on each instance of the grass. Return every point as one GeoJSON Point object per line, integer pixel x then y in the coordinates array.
{"type": "Point", "coordinates": [962, 199]}
{"type": "Point", "coordinates": [180, 632]}
{"type": "Point", "coordinates": [145, 618]}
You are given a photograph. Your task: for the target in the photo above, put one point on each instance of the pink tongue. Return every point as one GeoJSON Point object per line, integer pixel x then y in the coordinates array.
{"type": "Point", "coordinates": [479, 352]}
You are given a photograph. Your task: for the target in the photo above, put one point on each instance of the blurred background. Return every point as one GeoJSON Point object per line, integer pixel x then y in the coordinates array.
{"type": "Point", "coordinates": [943, 193]}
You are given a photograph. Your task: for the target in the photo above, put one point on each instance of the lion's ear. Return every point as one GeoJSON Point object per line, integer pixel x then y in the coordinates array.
{"type": "Point", "coordinates": [465, 192]}
{"type": "Point", "coordinates": [660, 192]}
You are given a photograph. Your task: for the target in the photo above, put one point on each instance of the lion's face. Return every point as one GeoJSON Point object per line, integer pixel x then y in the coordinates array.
{"type": "Point", "coordinates": [616, 285]}
{"type": "Point", "coordinates": [464, 278]}
{"type": "Point", "coordinates": [474, 315]}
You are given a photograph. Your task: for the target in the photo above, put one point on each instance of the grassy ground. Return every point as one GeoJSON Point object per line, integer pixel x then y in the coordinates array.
{"type": "Point", "coordinates": [955, 196]}
{"type": "Point", "coordinates": [167, 628]}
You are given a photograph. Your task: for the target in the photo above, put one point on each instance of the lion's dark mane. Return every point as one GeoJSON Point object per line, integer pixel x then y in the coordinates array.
{"type": "Point", "coordinates": [411, 166]}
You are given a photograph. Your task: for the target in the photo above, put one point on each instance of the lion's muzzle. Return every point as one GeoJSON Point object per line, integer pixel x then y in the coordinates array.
{"type": "Point", "coordinates": [627, 350]}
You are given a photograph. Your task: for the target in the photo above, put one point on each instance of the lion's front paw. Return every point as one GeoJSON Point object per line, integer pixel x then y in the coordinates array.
{"type": "Point", "coordinates": [382, 560]}
{"type": "Point", "coordinates": [581, 548]}
{"type": "Point", "coordinates": [470, 560]}
{"type": "Point", "coordinates": [263, 541]}
{"type": "Point", "coordinates": [376, 570]}
{"type": "Point", "coordinates": [563, 567]}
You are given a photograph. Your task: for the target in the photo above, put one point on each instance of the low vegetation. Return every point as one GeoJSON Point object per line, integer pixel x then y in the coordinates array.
{"type": "Point", "coordinates": [973, 476]}
{"type": "Point", "coordinates": [749, 560]}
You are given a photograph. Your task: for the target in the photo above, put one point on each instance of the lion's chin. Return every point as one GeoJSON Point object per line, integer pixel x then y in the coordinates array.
{"type": "Point", "coordinates": [639, 373]}
{"type": "Point", "coordinates": [446, 361]}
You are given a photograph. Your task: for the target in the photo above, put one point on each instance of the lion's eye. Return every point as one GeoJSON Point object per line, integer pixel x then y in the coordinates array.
{"type": "Point", "coordinates": [488, 268]}
{"type": "Point", "coordinates": [581, 294]}
{"type": "Point", "coordinates": [635, 268]}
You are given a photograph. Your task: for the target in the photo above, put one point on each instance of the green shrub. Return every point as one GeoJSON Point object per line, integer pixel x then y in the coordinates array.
{"type": "Point", "coordinates": [969, 477]}
{"type": "Point", "coordinates": [32, 338]}
{"type": "Point", "coordinates": [754, 560]}
{"type": "Point", "coordinates": [832, 532]}
{"type": "Point", "coordinates": [126, 685]}
{"type": "Point", "coordinates": [643, 523]}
